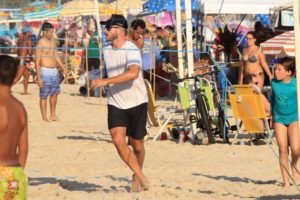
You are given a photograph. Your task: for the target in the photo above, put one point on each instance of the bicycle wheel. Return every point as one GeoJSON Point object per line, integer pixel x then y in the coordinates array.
{"type": "Point", "coordinates": [201, 108]}
{"type": "Point", "coordinates": [221, 123]}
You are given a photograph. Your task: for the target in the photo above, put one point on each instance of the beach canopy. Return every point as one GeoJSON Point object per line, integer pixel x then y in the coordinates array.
{"type": "Point", "coordinates": [127, 7]}
{"type": "Point", "coordinates": [85, 8]}
{"type": "Point", "coordinates": [283, 44]}
{"type": "Point", "coordinates": [155, 6]}
{"type": "Point", "coordinates": [241, 6]}
{"type": "Point", "coordinates": [39, 10]}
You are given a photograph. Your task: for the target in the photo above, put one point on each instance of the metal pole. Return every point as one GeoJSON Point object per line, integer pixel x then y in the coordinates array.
{"type": "Point", "coordinates": [190, 60]}
{"type": "Point", "coordinates": [296, 11]}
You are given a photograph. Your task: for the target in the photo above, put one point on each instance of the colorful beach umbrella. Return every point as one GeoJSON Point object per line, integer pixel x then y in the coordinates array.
{"type": "Point", "coordinates": [85, 8]}
{"type": "Point", "coordinates": [39, 10]}
{"type": "Point", "coordinates": [125, 6]}
{"type": "Point", "coordinates": [155, 6]}
{"type": "Point", "coordinates": [283, 44]}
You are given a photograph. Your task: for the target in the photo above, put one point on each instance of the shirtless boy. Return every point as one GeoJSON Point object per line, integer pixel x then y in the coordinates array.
{"type": "Point", "coordinates": [13, 135]}
{"type": "Point", "coordinates": [48, 79]}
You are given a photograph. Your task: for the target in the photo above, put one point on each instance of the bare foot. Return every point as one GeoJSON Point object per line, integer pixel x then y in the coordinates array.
{"type": "Point", "coordinates": [46, 120]}
{"type": "Point", "coordinates": [296, 176]}
{"type": "Point", "coordinates": [145, 184]}
{"type": "Point", "coordinates": [135, 186]}
{"type": "Point", "coordinates": [286, 185]}
{"type": "Point", "coordinates": [54, 118]}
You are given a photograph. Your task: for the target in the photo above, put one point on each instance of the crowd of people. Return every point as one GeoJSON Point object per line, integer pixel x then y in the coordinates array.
{"type": "Point", "coordinates": [126, 67]}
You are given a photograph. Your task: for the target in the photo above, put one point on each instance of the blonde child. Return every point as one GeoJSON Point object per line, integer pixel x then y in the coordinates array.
{"type": "Point", "coordinates": [285, 117]}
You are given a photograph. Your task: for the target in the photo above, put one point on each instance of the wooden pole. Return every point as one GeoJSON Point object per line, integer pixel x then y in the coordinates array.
{"type": "Point", "coordinates": [179, 39]}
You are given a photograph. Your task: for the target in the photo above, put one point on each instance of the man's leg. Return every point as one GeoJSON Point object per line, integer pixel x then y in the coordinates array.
{"type": "Point", "coordinates": [26, 79]}
{"type": "Point", "coordinates": [43, 106]}
{"type": "Point", "coordinates": [139, 152]}
{"type": "Point", "coordinates": [53, 101]}
{"type": "Point", "coordinates": [118, 135]}
{"type": "Point", "coordinates": [19, 73]}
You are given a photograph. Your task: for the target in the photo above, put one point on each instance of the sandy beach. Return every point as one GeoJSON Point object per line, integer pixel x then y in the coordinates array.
{"type": "Point", "coordinates": [74, 158]}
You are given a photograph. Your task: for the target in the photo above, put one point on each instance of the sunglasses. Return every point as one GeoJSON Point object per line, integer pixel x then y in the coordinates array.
{"type": "Point", "coordinates": [108, 28]}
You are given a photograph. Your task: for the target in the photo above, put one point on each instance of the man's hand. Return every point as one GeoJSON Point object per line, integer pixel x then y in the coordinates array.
{"type": "Point", "coordinates": [40, 83]}
{"type": "Point", "coordinates": [98, 83]}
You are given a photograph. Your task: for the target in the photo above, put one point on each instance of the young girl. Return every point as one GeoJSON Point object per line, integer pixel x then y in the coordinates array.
{"type": "Point", "coordinates": [285, 116]}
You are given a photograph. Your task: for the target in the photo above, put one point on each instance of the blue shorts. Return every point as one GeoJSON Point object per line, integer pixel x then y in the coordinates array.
{"type": "Point", "coordinates": [51, 80]}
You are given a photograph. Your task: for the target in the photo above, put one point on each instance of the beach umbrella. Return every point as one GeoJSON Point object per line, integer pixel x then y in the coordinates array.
{"type": "Point", "coordinates": [155, 6]}
{"type": "Point", "coordinates": [85, 8]}
{"type": "Point", "coordinates": [39, 10]}
{"type": "Point", "coordinates": [127, 7]}
{"type": "Point", "coordinates": [283, 44]}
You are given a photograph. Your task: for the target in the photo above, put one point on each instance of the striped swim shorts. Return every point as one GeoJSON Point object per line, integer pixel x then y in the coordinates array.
{"type": "Point", "coordinates": [51, 80]}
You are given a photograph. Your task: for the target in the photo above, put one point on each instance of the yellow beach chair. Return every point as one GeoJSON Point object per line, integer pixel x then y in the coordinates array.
{"type": "Point", "coordinates": [247, 106]}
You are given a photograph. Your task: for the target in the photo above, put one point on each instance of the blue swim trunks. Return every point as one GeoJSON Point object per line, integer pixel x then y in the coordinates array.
{"type": "Point", "coordinates": [51, 79]}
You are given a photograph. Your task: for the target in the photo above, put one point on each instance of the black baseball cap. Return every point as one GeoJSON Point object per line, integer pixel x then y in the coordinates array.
{"type": "Point", "coordinates": [115, 20]}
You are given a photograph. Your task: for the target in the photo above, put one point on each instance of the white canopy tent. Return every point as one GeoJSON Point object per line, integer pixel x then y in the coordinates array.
{"type": "Point", "coordinates": [241, 6]}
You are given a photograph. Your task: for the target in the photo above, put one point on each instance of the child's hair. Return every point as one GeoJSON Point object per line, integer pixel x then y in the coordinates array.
{"type": "Point", "coordinates": [288, 64]}
{"type": "Point", "coordinates": [8, 70]}
{"type": "Point", "coordinates": [47, 26]}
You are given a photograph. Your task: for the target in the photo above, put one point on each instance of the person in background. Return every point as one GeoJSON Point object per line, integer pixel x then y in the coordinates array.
{"type": "Point", "coordinates": [48, 77]}
{"type": "Point", "coordinates": [136, 31]}
{"type": "Point", "coordinates": [254, 62]}
{"type": "Point", "coordinates": [24, 53]}
{"type": "Point", "coordinates": [13, 135]}
{"type": "Point", "coordinates": [285, 117]}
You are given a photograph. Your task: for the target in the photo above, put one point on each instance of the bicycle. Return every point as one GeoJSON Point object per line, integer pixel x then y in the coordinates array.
{"type": "Point", "coordinates": [209, 113]}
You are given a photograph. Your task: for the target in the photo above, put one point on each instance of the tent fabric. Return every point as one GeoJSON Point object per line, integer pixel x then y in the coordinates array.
{"type": "Point", "coordinates": [283, 44]}
{"type": "Point", "coordinates": [240, 6]}
{"type": "Point", "coordinates": [155, 6]}
{"type": "Point", "coordinates": [38, 10]}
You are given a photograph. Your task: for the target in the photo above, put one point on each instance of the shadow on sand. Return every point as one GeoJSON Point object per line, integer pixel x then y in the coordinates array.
{"type": "Point", "coordinates": [73, 185]}
{"type": "Point", "coordinates": [237, 179]}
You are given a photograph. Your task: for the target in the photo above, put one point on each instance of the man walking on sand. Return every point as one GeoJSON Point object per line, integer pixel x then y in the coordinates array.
{"type": "Point", "coordinates": [13, 135]}
{"type": "Point", "coordinates": [127, 97]}
{"type": "Point", "coordinates": [48, 78]}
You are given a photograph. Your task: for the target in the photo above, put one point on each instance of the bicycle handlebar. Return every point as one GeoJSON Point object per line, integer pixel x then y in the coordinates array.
{"type": "Point", "coordinates": [198, 76]}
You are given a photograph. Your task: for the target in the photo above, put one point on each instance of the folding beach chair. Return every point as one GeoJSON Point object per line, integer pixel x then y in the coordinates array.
{"type": "Point", "coordinates": [160, 117]}
{"type": "Point", "coordinates": [73, 64]}
{"type": "Point", "coordinates": [247, 106]}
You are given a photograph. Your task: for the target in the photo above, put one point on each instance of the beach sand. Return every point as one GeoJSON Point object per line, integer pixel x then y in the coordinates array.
{"type": "Point", "coordinates": [74, 158]}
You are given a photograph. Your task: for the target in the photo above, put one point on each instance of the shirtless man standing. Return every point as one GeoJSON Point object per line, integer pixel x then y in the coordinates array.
{"type": "Point", "coordinates": [13, 135]}
{"type": "Point", "coordinates": [24, 51]}
{"type": "Point", "coordinates": [48, 79]}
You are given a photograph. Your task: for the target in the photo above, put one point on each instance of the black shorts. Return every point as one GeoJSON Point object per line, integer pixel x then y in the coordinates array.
{"type": "Point", "coordinates": [134, 119]}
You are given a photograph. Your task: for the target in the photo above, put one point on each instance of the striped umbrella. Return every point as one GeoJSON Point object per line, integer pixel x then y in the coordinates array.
{"type": "Point", "coordinates": [283, 44]}
{"type": "Point", "coordinates": [39, 10]}
{"type": "Point", "coordinates": [125, 6]}
{"type": "Point", "coordinates": [84, 8]}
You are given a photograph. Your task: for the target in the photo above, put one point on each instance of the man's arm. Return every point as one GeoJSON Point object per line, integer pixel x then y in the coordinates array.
{"type": "Point", "coordinates": [23, 143]}
{"type": "Point", "coordinates": [38, 63]}
{"type": "Point", "coordinates": [131, 74]}
{"type": "Point", "coordinates": [60, 63]}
